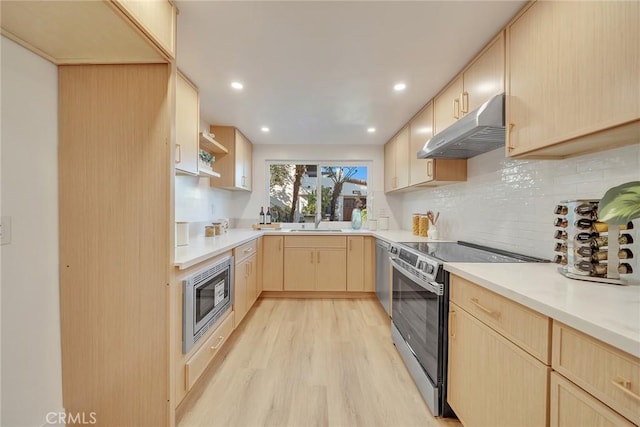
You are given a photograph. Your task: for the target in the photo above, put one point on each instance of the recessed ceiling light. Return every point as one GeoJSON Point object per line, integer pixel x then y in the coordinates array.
{"type": "Point", "coordinates": [264, 129]}
{"type": "Point", "coordinates": [236, 85]}
{"type": "Point", "coordinates": [371, 130]}
{"type": "Point", "coordinates": [399, 87]}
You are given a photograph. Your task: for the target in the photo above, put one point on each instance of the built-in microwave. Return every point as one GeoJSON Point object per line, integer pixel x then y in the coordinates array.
{"type": "Point", "coordinates": [207, 295]}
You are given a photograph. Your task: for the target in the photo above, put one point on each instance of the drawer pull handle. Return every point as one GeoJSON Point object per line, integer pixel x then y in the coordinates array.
{"type": "Point", "coordinates": [452, 325]}
{"type": "Point", "coordinates": [491, 313]}
{"type": "Point", "coordinates": [246, 251]}
{"type": "Point", "coordinates": [624, 386]}
{"type": "Point", "coordinates": [218, 344]}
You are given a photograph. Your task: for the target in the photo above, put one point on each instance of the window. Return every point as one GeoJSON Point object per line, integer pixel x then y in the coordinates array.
{"type": "Point", "coordinates": [297, 191]}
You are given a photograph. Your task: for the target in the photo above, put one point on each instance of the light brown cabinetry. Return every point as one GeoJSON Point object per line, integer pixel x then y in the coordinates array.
{"type": "Point", "coordinates": [315, 263]}
{"type": "Point", "coordinates": [157, 20]}
{"type": "Point", "coordinates": [273, 263]}
{"type": "Point", "coordinates": [572, 78]}
{"type": "Point", "coordinates": [572, 406]}
{"type": "Point", "coordinates": [487, 352]}
{"type": "Point", "coordinates": [93, 32]}
{"type": "Point", "coordinates": [197, 364]}
{"type": "Point", "coordinates": [396, 161]}
{"type": "Point", "coordinates": [606, 373]}
{"type": "Point", "coordinates": [187, 126]}
{"type": "Point", "coordinates": [235, 167]}
{"type": "Point", "coordinates": [114, 286]}
{"type": "Point", "coordinates": [479, 81]}
{"type": "Point", "coordinates": [360, 267]}
{"type": "Point", "coordinates": [245, 280]}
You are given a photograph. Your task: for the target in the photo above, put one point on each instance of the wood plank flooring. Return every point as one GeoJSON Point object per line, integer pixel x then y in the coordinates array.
{"type": "Point", "coordinates": [309, 362]}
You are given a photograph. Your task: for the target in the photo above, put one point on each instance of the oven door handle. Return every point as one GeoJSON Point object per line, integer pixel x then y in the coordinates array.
{"type": "Point", "coordinates": [432, 287]}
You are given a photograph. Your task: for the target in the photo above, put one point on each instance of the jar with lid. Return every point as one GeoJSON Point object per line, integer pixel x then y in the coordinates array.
{"type": "Point", "coordinates": [415, 224]}
{"type": "Point", "coordinates": [424, 225]}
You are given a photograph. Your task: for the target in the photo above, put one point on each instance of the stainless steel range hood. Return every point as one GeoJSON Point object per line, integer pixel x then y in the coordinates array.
{"type": "Point", "coordinates": [479, 131]}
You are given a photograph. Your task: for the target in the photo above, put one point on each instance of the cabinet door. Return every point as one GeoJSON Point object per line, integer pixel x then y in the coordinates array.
{"type": "Point", "coordinates": [485, 77]}
{"type": "Point", "coordinates": [240, 291]}
{"type": "Point", "coordinates": [355, 263]}
{"type": "Point", "coordinates": [187, 126]}
{"type": "Point", "coordinates": [572, 406]}
{"type": "Point", "coordinates": [446, 106]}
{"type": "Point", "coordinates": [252, 280]}
{"type": "Point", "coordinates": [331, 269]}
{"type": "Point", "coordinates": [492, 382]}
{"type": "Point", "coordinates": [572, 70]}
{"type": "Point", "coordinates": [260, 266]}
{"type": "Point", "coordinates": [300, 269]}
{"type": "Point", "coordinates": [239, 160]}
{"type": "Point", "coordinates": [157, 18]}
{"type": "Point", "coordinates": [369, 264]}
{"type": "Point", "coordinates": [389, 166]}
{"type": "Point", "coordinates": [273, 263]}
{"type": "Point", "coordinates": [420, 131]}
{"type": "Point", "coordinates": [247, 162]}
{"type": "Point", "coordinates": [402, 158]}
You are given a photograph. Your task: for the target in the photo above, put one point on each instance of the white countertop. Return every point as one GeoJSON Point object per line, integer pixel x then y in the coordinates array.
{"type": "Point", "coordinates": [610, 313]}
{"type": "Point", "coordinates": [202, 248]}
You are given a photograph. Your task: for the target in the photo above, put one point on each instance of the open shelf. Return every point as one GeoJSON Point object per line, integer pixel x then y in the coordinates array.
{"type": "Point", "coordinates": [208, 172]}
{"type": "Point", "coordinates": [211, 145]}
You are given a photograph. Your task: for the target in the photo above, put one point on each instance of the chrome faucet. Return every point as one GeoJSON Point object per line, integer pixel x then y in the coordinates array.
{"type": "Point", "coordinates": [318, 219]}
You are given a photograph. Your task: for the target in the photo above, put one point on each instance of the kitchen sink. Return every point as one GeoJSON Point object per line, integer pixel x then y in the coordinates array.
{"type": "Point", "coordinates": [314, 230]}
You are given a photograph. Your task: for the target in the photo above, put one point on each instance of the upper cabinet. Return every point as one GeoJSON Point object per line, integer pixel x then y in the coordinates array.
{"type": "Point", "coordinates": [396, 161]}
{"type": "Point", "coordinates": [425, 172]}
{"type": "Point", "coordinates": [93, 32]}
{"type": "Point", "coordinates": [236, 166]}
{"type": "Point", "coordinates": [572, 78]}
{"type": "Point", "coordinates": [480, 80]}
{"type": "Point", "coordinates": [156, 18]}
{"type": "Point", "coordinates": [187, 126]}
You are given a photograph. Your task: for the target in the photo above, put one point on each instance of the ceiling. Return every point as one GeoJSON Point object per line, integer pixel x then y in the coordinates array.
{"type": "Point", "coordinates": [322, 72]}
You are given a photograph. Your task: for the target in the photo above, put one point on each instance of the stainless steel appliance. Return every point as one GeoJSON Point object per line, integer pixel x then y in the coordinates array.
{"type": "Point", "coordinates": [477, 132]}
{"type": "Point", "coordinates": [206, 296]}
{"type": "Point", "coordinates": [421, 305]}
{"type": "Point", "coordinates": [383, 274]}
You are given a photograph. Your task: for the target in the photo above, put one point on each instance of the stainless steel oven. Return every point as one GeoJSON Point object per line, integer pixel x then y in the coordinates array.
{"type": "Point", "coordinates": [419, 326]}
{"type": "Point", "coordinates": [421, 305]}
{"type": "Point", "coordinates": [206, 296]}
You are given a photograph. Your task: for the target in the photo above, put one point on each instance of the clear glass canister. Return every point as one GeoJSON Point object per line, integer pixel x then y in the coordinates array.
{"type": "Point", "coordinates": [208, 231]}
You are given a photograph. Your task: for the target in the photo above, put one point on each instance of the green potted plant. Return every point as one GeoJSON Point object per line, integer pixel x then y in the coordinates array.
{"type": "Point", "coordinates": [620, 204]}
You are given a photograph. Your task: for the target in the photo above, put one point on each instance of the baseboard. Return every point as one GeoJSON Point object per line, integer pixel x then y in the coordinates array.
{"type": "Point", "coordinates": [317, 294]}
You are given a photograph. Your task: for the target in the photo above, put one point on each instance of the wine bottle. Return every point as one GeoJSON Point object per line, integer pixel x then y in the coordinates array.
{"type": "Point", "coordinates": [262, 215]}
{"type": "Point", "coordinates": [268, 215]}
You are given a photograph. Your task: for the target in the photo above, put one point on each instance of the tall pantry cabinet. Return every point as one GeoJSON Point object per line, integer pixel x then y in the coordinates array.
{"type": "Point", "coordinates": [115, 178]}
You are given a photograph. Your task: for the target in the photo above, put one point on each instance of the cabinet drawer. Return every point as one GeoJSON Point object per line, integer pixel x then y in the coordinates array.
{"type": "Point", "coordinates": [244, 251]}
{"type": "Point", "coordinates": [315, 242]}
{"type": "Point", "coordinates": [572, 406]}
{"type": "Point", "coordinates": [607, 373]}
{"type": "Point", "coordinates": [525, 327]}
{"type": "Point", "coordinates": [200, 360]}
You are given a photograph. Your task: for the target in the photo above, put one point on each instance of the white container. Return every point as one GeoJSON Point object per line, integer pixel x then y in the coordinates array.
{"type": "Point", "coordinates": [182, 233]}
{"type": "Point", "coordinates": [383, 223]}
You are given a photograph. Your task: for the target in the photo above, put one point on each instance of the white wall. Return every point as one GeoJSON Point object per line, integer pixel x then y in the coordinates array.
{"type": "Point", "coordinates": [247, 206]}
{"type": "Point", "coordinates": [509, 204]}
{"type": "Point", "coordinates": [197, 203]}
{"type": "Point", "coordinates": [31, 360]}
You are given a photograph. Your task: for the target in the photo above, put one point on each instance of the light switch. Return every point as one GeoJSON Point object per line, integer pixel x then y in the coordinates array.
{"type": "Point", "coordinates": [5, 230]}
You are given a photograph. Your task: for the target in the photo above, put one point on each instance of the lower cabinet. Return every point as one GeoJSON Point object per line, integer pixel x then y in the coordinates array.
{"type": "Point", "coordinates": [315, 263]}
{"type": "Point", "coordinates": [360, 263]}
{"type": "Point", "coordinates": [572, 406]}
{"type": "Point", "coordinates": [491, 381]}
{"type": "Point", "coordinates": [196, 365]}
{"type": "Point", "coordinates": [273, 263]}
{"type": "Point", "coordinates": [245, 278]}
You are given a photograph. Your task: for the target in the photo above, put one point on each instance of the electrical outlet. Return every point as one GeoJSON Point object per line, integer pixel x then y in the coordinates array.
{"type": "Point", "coordinates": [5, 230]}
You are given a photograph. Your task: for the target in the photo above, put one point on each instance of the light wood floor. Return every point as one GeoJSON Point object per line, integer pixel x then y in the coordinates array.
{"type": "Point", "coordinates": [309, 362]}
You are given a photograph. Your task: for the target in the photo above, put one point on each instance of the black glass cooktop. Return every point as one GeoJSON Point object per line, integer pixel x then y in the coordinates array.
{"type": "Point", "coordinates": [468, 252]}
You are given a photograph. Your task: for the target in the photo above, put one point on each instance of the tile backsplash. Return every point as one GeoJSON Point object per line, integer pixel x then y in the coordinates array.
{"type": "Point", "coordinates": [197, 203]}
{"type": "Point", "coordinates": [509, 204]}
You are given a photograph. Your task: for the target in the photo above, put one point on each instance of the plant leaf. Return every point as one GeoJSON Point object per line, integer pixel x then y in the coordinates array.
{"type": "Point", "coordinates": [620, 204]}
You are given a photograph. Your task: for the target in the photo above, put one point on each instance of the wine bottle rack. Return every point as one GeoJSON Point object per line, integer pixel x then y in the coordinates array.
{"type": "Point", "coordinates": [588, 249]}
